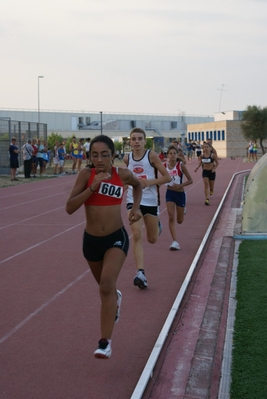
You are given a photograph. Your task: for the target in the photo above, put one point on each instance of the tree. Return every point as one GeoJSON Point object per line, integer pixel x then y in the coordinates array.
{"type": "Point", "coordinates": [149, 143]}
{"type": "Point", "coordinates": [52, 139]}
{"type": "Point", "coordinates": [254, 124]}
{"type": "Point", "coordinates": [118, 146]}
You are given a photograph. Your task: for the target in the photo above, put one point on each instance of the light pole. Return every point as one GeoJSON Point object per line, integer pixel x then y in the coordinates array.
{"type": "Point", "coordinates": [39, 77]}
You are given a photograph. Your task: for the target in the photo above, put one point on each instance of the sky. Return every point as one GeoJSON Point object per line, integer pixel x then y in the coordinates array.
{"type": "Point", "coordinates": [194, 57]}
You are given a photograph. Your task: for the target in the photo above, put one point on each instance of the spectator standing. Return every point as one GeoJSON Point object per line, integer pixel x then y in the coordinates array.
{"type": "Point", "coordinates": [189, 150]}
{"type": "Point", "coordinates": [27, 151]}
{"type": "Point", "coordinates": [250, 150]}
{"type": "Point", "coordinates": [14, 159]}
{"type": "Point", "coordinates": [80, 155]}
{"type": "Point", "coordinates": [61, 157]}
{"type": "Point", "coordinates": [45, 156]}
{"type": "Point", "coordinates": [255, 151]}
{"type": "Point", "coordinates": [34, 158]}
{"type": "Point", "coordinates": [87, 148]}
{"type": "Point", "coordinates": [39, 157]}
{"type": "Point", "coordinates": [74, 153]}
{"type": "Point", "coordinates": [56, 157]}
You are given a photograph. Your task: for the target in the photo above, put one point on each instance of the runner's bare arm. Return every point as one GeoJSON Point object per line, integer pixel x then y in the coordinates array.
{"type": "Point", "coordinates": [156, 162]}
{"type": "Point", "coordinates": [129, 179]}
{"type": "Point", "coordinates": [199, 164]}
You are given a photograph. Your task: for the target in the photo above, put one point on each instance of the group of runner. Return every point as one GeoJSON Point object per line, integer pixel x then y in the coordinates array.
{"type": "Point", "coordinates": [100, 187]}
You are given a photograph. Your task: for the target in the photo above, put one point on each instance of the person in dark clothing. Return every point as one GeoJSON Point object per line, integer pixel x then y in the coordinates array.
{"type": "Point", "coordinates": [14, 159]}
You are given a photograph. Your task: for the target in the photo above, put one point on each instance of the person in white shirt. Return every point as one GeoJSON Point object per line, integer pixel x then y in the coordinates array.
{"type": "Point", "coordinates": [27, 151]}
{"type": "Point", "coordinates": [87, 148]}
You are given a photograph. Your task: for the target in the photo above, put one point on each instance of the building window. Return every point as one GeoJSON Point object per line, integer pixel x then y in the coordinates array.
{"type": "Point", "coordinates": [87, 120]}
{"type": "Point", "coordinates": [211, 135]}
{"type": "Point", "coordinates": [198, 136]}
{"type": "Point", "coordinates": [207, 135]}
{"type": "Point", "coordinates": [189, 136]}
{"type": "Point", "coordinates": [202, 135]}
{"type": "Point", "coordinates": [195, 136]}
{"type": "Point", "coordinates": [223, 138]}
{"type": "Point", "coordinates": [80, 122]}
{"type": "Point", "coordinates": [219, 135]}
{"type": "Point", "coordinates": [214, 135]}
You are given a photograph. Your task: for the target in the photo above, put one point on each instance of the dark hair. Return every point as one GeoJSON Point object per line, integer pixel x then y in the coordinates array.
{"type": "Point", "coordinates": [138, 130]}
{"type": "Point", "coordinates": [101, 139]}
{"type": "Point", "coordinates": [172, 147]}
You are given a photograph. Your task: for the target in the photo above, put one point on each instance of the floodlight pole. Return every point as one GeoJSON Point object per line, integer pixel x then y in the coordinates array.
{"type": "Point", "coordinates": [101, 122]}
{"type": "Point", "coordinates": [39, 77]}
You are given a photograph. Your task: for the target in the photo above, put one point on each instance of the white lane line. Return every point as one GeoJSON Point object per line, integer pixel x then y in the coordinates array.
{"type": "Point", "coordinates": [38, 310]}
{"type": "Point", "coordinates": [147, 372]}
{"type": "Point", "coordinates": [33, 217]}
{"type": "Point", "coordinates": [40, 243]}
{"type": "Point", "coordinates": [28, 202]}
{"type": "Point", "coordinates": [32, 191]}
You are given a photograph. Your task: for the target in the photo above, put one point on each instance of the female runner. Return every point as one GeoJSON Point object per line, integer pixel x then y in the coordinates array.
{"type": "Point", "coordinates": [175, 195]}
{"type": "Point", "coordinates": [209, 162]}
{"type": "Point", "coordinates": [105, 240]}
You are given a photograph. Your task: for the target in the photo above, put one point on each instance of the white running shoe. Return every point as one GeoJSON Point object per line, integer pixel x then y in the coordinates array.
{"type": "Point", "coordinates": [160, 227]}
{"type": "Point", "coordinates": [140, 280]}
{"type": "Point", "coordinates": [104, 349]}
{"type": "Point", "coordinates": [175, 246]}
{"type": "Point", "coordinates": [118, 306]}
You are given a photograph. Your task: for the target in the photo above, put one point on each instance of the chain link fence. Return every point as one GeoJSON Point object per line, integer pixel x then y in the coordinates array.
{"type": "Point", "coordinates": [22, 131]}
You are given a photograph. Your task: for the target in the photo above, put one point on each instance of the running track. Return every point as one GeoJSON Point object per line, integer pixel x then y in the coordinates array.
{"type": "Point", "coordinates": [49, 322]}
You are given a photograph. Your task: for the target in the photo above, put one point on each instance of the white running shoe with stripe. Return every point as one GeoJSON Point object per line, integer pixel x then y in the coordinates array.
{"type": "Point", "coordinates": [174, 246]}
{"type": "Point", "coordinates": [104, 349]}
{"type": "Point", "coordinates": [118, 306]}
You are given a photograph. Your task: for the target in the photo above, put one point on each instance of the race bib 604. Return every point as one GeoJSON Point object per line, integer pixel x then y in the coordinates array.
{"type": "Point", "coordinates": [111, 190]}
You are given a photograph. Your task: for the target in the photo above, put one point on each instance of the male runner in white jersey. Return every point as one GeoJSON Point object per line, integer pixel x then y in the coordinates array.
{"type": "Point", "coordinates": [145, 165]}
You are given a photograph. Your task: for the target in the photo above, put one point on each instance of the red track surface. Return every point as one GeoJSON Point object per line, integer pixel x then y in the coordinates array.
{"type": "Point", "coordinates": [50, 304]}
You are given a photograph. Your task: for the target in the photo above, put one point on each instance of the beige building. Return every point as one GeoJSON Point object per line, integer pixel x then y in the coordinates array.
{"type": "Point", "coordinates": [225, 133]}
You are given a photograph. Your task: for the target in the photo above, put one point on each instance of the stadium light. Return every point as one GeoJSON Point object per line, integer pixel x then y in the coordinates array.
{"type": "Point", "coordinates": [39, 77]}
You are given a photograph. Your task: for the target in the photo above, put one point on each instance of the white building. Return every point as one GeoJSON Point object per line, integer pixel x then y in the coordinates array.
{"type": "Point", "coordinates": [87, 124]}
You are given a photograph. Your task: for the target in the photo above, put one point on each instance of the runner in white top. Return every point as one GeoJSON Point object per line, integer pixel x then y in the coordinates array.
{"type": "Point", "coordinates": [145, 165]}
{"type": "Point", "coordinates": [175, 194]}
{"type": "Point", "coordinates": [143, 170]}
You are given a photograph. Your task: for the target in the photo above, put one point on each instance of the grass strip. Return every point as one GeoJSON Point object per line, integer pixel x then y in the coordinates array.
{"type": "Point", "coordinates": [249, 362]}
